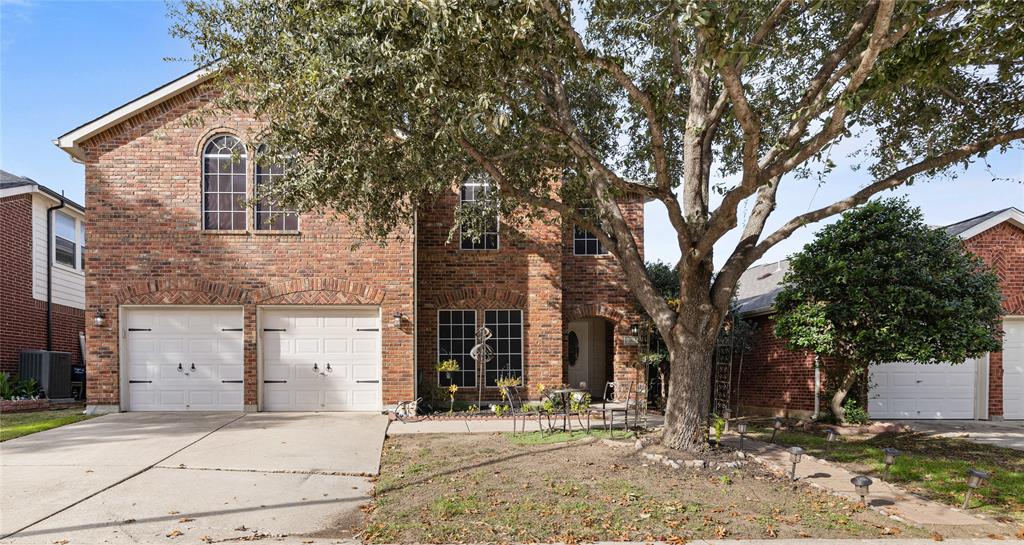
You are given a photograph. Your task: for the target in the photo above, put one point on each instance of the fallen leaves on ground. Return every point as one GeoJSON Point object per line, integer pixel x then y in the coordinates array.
{"type": "Point", "coordinates": [175, 533]}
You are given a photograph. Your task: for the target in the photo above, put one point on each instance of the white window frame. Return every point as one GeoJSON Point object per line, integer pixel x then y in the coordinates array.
{"type": "Point", "coordinates": [437, 373]}
{"type": "Point", "coordinates": [202, 185]}
{"type": "Point", "coordinates": [576, 230]}
{"type": "Point", "coordinates": [479, 181]}
{"type": "Point", "coordinates": [522, 344]}
{"type": "Point", "coordinates": [79, 241]}
{"type": "Point", "coordinates": [261, 149]}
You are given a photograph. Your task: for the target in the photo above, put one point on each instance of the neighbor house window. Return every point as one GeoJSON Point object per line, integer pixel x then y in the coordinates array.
{"type": "Point", "coordinates": [507, 343]}
{"type": "Point", "coordinates": [224, 161]}
{"type": "Point", "coordinates": [586, 243]}
{"type": "Point", "coordinates": [269, 214]}
{"type": "Point", "coordinates": [474, 190]}
{"type": "Point", "coordinates": [68, 240]}
{"type": "Point", "coordinates": [455, 338]}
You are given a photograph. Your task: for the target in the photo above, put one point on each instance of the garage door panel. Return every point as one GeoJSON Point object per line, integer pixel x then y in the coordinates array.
{"type": "Point", "coordinates": [907, 390]}
{"type": "Point", "coordinates": [326, 336]}
{"type": "Point", "coordinates": [1013, 369]}
{"type": "Point", "coordinates": [208, 339]}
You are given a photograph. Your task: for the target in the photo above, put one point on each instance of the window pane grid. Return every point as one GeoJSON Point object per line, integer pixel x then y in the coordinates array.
{"type": "Point", "coordinates": [224, 162]}
{"type": "Point", "coordinates": [472, 191]}
{"type": "Point", "coordinates": [586, 243]}
{"type": "Point", "coordinates": [269, 214]}
{"type": "Point", "coordinates": [455, 338]}
{"type": "Point", "coordinates": [507, 343]}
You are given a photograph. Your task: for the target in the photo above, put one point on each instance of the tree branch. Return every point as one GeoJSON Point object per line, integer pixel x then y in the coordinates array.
{"type": "Point", "coordinates": [894, 180]}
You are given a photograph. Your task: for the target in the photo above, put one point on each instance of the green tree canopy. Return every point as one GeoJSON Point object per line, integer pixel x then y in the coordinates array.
{"type": "Point", "coordinates": [880, 286]}
{"type": "Point", "coordinates": [375, 108]}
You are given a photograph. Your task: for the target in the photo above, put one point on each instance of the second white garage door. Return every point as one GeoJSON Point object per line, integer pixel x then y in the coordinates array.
{"type": "Point", "coordinates": [1013, 369]}
{"type": "Point", "coordinates": [918, 391]}
{"type": "Point", "coordinates": [322, 359]}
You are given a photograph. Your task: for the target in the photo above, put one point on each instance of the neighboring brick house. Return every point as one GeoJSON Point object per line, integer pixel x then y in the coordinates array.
{"type": "Point", "coordinates": [24, 206]}
{"type": "Point", "coordinates": [774, 380]}
{"type": "Point", "coordinates": [208, 304]}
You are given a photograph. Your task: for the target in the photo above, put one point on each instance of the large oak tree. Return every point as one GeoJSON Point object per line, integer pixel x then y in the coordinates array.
{"type": "Point", "coordinates": [378, 106]}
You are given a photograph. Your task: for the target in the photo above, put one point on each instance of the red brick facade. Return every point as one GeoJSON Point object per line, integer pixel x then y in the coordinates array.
{"type": "Point", "coordinates": [147, 246]}
{"type": "Point", "coordinates": [775, 380]}
{"type": "Point", "coordinates": [22, 317]}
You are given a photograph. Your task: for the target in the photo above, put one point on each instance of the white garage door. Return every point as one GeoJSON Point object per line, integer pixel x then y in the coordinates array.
{"type": "Point", "coordinates": [325, 359]}
{"type": "Point", "coordinates": [184, 359]}
{"type": "Point", "coordinates": [906, 390]}
{"type": "Point", "coordinates": [1013, 369]}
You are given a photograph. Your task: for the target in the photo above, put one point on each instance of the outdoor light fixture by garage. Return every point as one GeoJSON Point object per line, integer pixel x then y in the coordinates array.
{"type": "Point", "coordinates": [890, 458]}
{"type": "Point", "coordinates": [861, 484]}
{"type": "Point", "coordinates": [830, 437]}
{"type": "Point", "coordinates": [975, 479]}
{"type": "Point", "coordinates": [741, 427]}
{"type": "Point", "coordinates": [776, 426]}
{"type": "Point", "coordinates": [98, 318]}
{"type": "Point", "coordinates": [795, 454]}
{"type": "Point", "coordinates": [396, 319]}
{"type": "Point", "coordinates": [634, 329]}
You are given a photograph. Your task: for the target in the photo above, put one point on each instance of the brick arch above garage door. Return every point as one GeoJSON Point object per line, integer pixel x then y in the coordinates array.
{"type": "Point", "coordinates": [318, 291]}
{"type": "Point", "coordinates": [180, 292]}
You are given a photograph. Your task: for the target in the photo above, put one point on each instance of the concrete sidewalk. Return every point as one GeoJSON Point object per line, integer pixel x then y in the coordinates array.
{"type": "Point", "coordinates": [493, 425]}
{"type": "Point", "coordinates": [883, 497]}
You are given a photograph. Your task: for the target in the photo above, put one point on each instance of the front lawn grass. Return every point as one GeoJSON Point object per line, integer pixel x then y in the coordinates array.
{"type": "Point", "coordinates": [20, 424]}
{"type": "Point", "coordinates": [500, 488]}
{"type": "Point", "coordinates": [932, 467]}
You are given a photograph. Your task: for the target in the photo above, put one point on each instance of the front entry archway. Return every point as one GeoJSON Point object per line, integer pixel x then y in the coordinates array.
{"type": "Point", "coordinates": [590, 354]}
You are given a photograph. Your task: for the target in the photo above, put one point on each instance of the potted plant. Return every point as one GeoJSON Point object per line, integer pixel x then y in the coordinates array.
{"type": "Point", "coordinates": [448, 367]}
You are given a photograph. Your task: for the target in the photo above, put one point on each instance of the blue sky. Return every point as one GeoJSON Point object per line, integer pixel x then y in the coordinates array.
{"type": "Point", "coordinates": [65, 63]}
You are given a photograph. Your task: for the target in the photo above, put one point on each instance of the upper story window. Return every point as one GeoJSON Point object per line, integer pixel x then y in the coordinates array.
{"type": "Point", "coordinates": [224, 163]}
{"type": "Point", "coordinates": [68, 241]}
{"type": "Point", "coordinates": [269, 214]}
{"type": "Point", "coordinates": [473, 190]}
{"type": "Point", "coordinates": [586, 243]}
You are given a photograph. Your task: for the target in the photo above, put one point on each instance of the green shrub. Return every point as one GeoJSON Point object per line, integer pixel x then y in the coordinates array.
{"type": "Point", "coordinates": [855, 414]}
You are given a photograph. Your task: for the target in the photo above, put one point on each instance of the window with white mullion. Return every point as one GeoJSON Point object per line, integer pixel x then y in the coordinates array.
{"type": "Point", "coordinates": [586, 243]}
{"type": "Point", "coordinates": [65, 240]}
{"type": "Point", "coordinates": [473, 190]}
{"type": "Point", "coordinates": [507, 343]}
{"type": "Point", "coordinates": [269, 214]}
{"type": "Point", "coordinates": [224, 191]}
{"type": "Point", "coordinates": [456, 335]}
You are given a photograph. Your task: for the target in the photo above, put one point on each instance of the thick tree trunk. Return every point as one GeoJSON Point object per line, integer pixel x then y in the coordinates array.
{"type": "Point", "coordinates": [689, 394]}
{"type": "Point", "coordinates": [841, 391]}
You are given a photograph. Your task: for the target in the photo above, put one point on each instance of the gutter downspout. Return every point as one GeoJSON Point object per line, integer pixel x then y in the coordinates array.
{"type": "Point", "coordinates": [415, 304]}
{"type": "Point", "coordinates": [49, 273]}
{"type": "Point", "coordinates": [817, 386]}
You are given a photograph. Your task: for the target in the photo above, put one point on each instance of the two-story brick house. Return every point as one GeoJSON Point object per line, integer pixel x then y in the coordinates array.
{"type": "Point", "coordinates": [206, 303]}
{"type": "Point", "coordinates": [42, 281]}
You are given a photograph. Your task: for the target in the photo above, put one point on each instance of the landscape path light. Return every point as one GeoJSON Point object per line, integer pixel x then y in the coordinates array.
{"type": "Point", "coordinates": [975, 479]}
{"type": "Point", "coordinates": [830, 437]}
{"type": "Point", "coordinates": [741, 427]}
{"type": "Point", "coordinates": [776, 426]}
{"type": "Point", "coordinates": [861, 484]}
{"type": "Point", "coordinates": [795, 454]}
{"type": "Point", "coordinates": [890, 458]}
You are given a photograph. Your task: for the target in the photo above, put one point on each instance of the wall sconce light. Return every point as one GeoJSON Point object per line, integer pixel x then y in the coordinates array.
{"type": "Point", "coordinates": [975, 479]}
{"type": "Point", "coordinates": [98, 318]}
{"type": "Point", "coordinates": [396, 319]}
{"type": "Point", "coordinates": [861, 483]}
{"type": "Point", "coordinates": [634, 329]}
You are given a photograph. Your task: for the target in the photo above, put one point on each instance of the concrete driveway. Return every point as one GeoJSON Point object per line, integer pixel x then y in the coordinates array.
{"type": "Point", "coordinates": [1007, 434]}
{"type": "Point", "coordinates": [141, 477]}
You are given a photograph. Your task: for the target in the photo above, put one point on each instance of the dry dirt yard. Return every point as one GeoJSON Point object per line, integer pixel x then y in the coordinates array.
{"type": "Point", "coordinates": [462, 488]}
